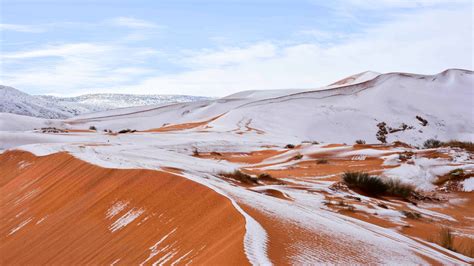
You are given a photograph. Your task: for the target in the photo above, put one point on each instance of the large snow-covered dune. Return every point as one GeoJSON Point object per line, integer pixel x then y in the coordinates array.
{"type": "Point", "coordinates": [353, 111]}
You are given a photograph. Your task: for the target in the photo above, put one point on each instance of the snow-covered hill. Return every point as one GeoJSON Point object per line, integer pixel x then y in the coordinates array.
{"type": "Point", "coordinates": [17, 102]}
{"type": "Point", "coordinates": [397, 103]}
{"type": "Point", "coordinates": [108, 101]}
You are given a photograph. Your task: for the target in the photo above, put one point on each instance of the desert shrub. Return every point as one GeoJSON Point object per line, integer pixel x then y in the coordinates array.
{"type": "Point", "coordinates": [411, 214]}
{"type": "Point", "coordinates": [268, 178]}
{"type": "Point", "coordinates": [457, 172]}
{"type": "Point", "coordinates": [240, 177]}
{"type": "Point", "coordinates": [92, 128]}
{"type": "Point", "coordinates": [363, 181]}
{"type": "Point", "coordinates": [360, 141]}
{"type": "Point", "coordinates": [405, 155]}
{"type": "Point", "coordinates": [195, 152]}
{"type": "Point", "coordinates": [297, 157]}
{"type": "Point", "coordinates": [290, 146]}
{"type": "Point", "coordinates": [432, 143]}
{"type": "Point", "coordinates": [423, 121]}
{"type": "Point", "coordinates": [397, 188]}
{"type": "Point", "coordinates": [467, 145]}
{"type": "Point", "coordinates": [322, 161]}
{"type": "Point", "coordinates": [128, 130]}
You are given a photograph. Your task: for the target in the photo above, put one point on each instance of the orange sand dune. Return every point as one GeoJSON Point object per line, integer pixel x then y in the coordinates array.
{"type": "Point", "coordinates": [59, 210]}
{"type": "Point", "coordinates": [183, 126]}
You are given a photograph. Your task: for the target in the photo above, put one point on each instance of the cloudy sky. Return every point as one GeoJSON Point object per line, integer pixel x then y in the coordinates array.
{"type": "Point", "coordinates": [217, 47]}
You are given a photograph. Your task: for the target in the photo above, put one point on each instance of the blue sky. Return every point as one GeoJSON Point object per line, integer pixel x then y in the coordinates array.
{"type": "Point", "coordinates": [220, 47]}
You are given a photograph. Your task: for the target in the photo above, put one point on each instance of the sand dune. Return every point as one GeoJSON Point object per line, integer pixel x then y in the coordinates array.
{"type": "Point", "coordinates": [59, 210]}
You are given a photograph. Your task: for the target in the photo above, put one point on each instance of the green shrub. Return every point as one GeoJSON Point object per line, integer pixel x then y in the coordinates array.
{"type": "Point", "coordinates": [128, 130]}
{"type": "Point", "coordinates": [360, 141]}
{"type": "Point", "coordinates": [363, 181]}
{"type": "Point", "coordinates": [411, 215]}
{"type": "Point", "coordinates": [240, 177]}
{"type": "Point", "coordinates": [196, 152]}
{"type": "Point", "coordinates": [432, 143]}
{"type": "Point", "coordinates": [297, 157]}
{"type": "Point", "coordinates": [397, 188]}
{"type": "Point", "coordinates": [268, 178]}
{"type": "Point", "coordinates": [322, 161]}
{"type": "Point", "coordinates": [467, 145]}
{"type": "Point", "coordinates": [457, 172]}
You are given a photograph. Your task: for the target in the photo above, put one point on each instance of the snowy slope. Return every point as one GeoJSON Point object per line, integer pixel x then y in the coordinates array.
{"type": "Point", "coordinates": [337, 113]}
{"type": "Point", "coordinates": [107, 101]}
{"type": "Point", "coordinates": [17, 102]}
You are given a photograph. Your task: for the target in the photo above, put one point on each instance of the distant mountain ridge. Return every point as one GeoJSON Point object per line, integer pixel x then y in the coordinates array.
{"type": "Point", "coordinates": [17, 102]}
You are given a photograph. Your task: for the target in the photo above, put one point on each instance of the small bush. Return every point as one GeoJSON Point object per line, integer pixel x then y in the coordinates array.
{"type": "Point", "coordinates": [128, 130]}
{"type": "Point", "coordinates": [405, 155]}
{"type": "Point", "coordinates": [457, 172]}
{"type": "Point", "coordinates": [360, 141]}
{"type": "Point", "coordinates": [92, 128]}
{"type": "Point", "coordinates": [467, 145]}
{"type": "Point", "coordinates": [268, 178]}
{"type": "Point", "coordinates": [297, 157]}
{"type": "Point", "coordinates": [363, 181]}
{"type": "Point", "coordinates": [322, 161]}
{"type": "Point", "coordinates": [396, 188]}
{"type": "Point", "coordinates": [240, 177]}
{"type": "Point", "coordinates": [432, 143]}
{"type": "Point", "coordinates": [411, 215]}
{"type": "Point", "coordinates": [290, 146]}
{"type": "Point", "coordinates": [196, 152]}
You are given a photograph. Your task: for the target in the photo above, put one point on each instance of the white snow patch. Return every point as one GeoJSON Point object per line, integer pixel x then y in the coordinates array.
{"type": "Point", "coordinates": [21, 225]}
{"type": "Point", "coordinates": [468, 184]}
{"type": "Point", "coordinates": [116, 209]}
{"type": "Point", "coordinates": [127, 218]}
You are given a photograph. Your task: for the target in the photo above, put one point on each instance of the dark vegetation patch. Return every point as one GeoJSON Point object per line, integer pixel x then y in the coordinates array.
{"type": "Point", "coordinates": [405, 156]}
{"type": "Point", "coordinates": [264, 177]}
{"type": "Point", "coordinates": [434, 143]}
{"type": "Point", "coordinates": [382, 132]}
{"type": "Point", "coordinates": [411, 214]}
{"type": "Point", "coordinates": [297, 157]}
{"type": "Point", "coordinates": [240, 176]}
{"type": "Point", "coordinates": [127, 130]}
{"type": "Point", "coordinates": [290, 146]}
{"type": "Point", "coordinates": [52, 130]}
{"type": "Point", "coordinates": [374, 185]}
{"type": "Point", "coordinates": [423, 121]}
{"type": "Point", "coordinates": [360, 141]}
{"type": "Point", "coordinates": [467, 145]}
{"type": "Point", "coordinates": [93, 128]}
{"type": "Point", "coordinates": [322, 161]}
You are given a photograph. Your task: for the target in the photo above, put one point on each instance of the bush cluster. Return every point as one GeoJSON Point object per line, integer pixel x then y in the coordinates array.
{"type": "Point", "coordinates": [374, 185]}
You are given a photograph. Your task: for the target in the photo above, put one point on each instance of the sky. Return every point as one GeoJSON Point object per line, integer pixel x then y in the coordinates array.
{"type": "Point", "coordinates": [215, 48]}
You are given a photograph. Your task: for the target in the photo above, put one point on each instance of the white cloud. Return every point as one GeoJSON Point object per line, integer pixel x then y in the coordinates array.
{"type": "Point", "coordinates": [21, 28]}
{"type": "Point", "coordinates": [66, 68]}
{"type": "Point", "coordinates": [135, 23]}
{"type": "Point", "coordinates": [389, 4]}
{"type": "Point", "coordinates": [427, 41]}
{"type": "Point", "coordinates": [423, 42]}
{"type": "Point", "coordinates": [230, 55]}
